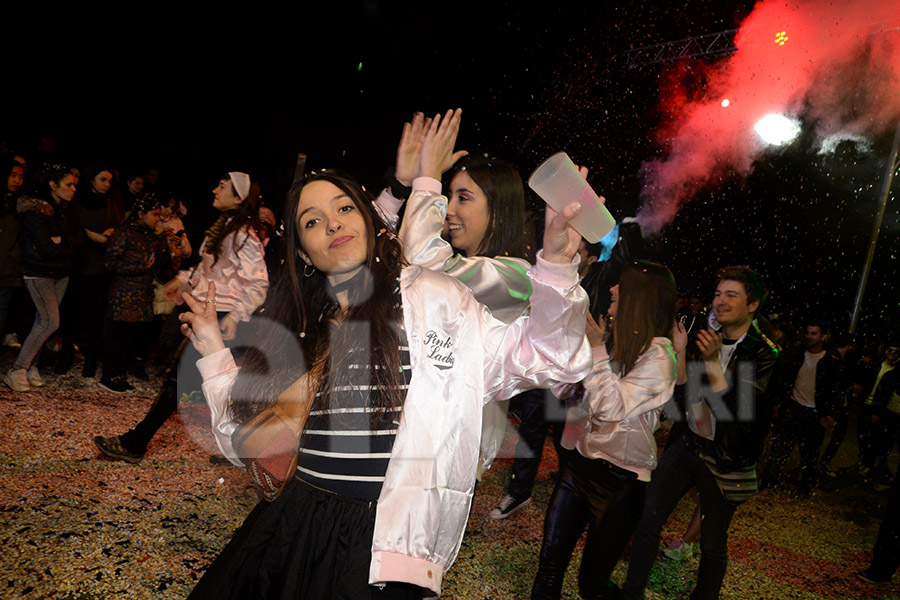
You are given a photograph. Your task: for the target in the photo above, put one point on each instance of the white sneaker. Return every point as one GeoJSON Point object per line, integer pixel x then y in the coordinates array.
{"type": "Point", "coordinates": [17, 380]}
{"type": "Point", "coordinates": [34, 377]}
{"type": "Point", "coordinates": [12, 340]}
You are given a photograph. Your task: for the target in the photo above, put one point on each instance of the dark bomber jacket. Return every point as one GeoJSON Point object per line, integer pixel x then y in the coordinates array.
{"type": "Point", "coordinates": [738, 442]}
{"type": "Point", "coordinates": [41, 221]}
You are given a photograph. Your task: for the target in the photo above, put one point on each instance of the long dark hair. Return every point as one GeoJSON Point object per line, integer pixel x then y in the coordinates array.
{"type": "Point", "coordinates": [646, 310]}
{"type": "Point", "coordinates": [502, 185]}
{"type": "Point", "coordinates": [245, 215]}
{"type": "Point", "coordinates": [88, 198]}
{"type": "Point", "coordinates": [299, 309]}
{"type": "Point", "coordinates": [9, 198]}
{"type": "Point", "coordinates": [49, 173]}
{"type": "Point", "coordinates": [94, 169]}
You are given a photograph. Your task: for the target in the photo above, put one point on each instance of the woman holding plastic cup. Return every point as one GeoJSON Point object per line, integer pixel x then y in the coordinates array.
{"type": "Point", "coordinates": [477, 235]}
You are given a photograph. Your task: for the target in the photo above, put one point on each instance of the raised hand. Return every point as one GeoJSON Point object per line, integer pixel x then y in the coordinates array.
{"type": "Point", "coordinates": [595, 330]}
{"type": "Point", "coordinates": [410, 149]}
{"type": "Point", "coordinates": [709, 343]}
{"type": "Point", "coordinates": [437, 148]}
{"type": "Point", "coordinates": [201, 324]}
{"type": "Point", "coordinates": [561, 241]}
{"type": "Point", "coordinates": [679, 337]}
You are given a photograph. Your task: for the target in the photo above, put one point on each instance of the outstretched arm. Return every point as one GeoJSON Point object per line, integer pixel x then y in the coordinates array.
{"type": "Point", "coordinates": [549, 345]}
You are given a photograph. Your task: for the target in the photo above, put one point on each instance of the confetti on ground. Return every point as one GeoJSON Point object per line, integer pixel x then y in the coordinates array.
{"type": "Point", "coordinates": [74, 525]}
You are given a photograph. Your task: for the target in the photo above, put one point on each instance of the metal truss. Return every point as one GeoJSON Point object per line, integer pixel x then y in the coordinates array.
{"type": "Point", "coordinates": [708, 45]}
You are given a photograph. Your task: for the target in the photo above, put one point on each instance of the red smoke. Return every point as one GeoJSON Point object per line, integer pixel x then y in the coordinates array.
{"type": "Point", "coordinates": [839, 67]}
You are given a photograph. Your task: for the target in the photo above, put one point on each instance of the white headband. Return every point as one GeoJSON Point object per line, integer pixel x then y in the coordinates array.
{"type": "Point", "coordinates": [241, 183]}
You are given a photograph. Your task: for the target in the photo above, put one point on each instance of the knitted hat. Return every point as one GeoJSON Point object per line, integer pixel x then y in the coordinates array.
{"type": "Point", "coordinates": [241, 183]}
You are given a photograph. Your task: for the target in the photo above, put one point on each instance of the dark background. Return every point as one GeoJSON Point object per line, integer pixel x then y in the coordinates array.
{"type": "Point", "coordinates": [249, 88]}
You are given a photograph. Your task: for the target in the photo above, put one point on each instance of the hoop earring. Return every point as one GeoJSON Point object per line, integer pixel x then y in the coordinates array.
{"type": "Point", "coordinates": [306, 273]}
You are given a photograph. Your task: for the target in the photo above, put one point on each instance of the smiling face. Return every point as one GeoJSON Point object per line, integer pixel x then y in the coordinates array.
{"type": "Point", "coordinates": [814, 338]}
{"type": "Point", "coordinates": [224, 197]}
{"type": "Point", "coordinates": [468, 215]}
{"type": "Point", "coordinates": [730, 304]}
{"type": "Point", "coordinates": [332, 231]}
{"type": "Point", "coordinates": [614, 300]}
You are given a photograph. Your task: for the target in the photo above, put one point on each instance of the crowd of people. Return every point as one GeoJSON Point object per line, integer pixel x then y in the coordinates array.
{"type": "Point", "coordinates": [87, 252]}
{"type": "Point", "coordinates": [387, 338]}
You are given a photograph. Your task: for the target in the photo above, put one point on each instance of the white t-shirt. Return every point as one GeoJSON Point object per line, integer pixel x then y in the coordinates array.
{"type": "Point", "coordinates": [804, 392]}
{"type": "Point", "coordinates": [703, 414]}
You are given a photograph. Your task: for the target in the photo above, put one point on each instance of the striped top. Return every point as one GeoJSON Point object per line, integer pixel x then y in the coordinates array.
{"type": "Point", "coordinates": [341, 449]}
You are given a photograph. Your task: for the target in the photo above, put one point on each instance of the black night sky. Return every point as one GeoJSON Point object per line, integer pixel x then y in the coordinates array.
{"type": "Point", "coordinates": [248, 88]}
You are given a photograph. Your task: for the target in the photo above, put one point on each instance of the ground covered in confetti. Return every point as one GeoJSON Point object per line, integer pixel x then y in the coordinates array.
{"type": "Point", "coordinates": [76, 526]}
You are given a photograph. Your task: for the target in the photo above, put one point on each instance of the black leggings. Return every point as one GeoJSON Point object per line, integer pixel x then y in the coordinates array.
{"type": "Point", "coordinates": [181, 378]}
{"type": "Point", "coordinates": [602, 497]}
{"type": "Point", "coordinates": [121, 339]}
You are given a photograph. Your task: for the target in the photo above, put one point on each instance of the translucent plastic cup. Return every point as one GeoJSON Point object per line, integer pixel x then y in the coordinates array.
{"type": "Point", "coordinates": [559, 183]}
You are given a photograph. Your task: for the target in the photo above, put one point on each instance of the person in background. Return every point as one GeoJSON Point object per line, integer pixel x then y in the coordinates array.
{"type": "Point", "coordinates": [602, 482]}
{"type": "Point", "coordinates": [272, 240]}
{"type": "Point", "coordinates": [233, 259]}
{"type": "Point", "coordinates": [151, 180]}
{"type": "Point", "coordinates": [872, 426]}
{"type": "Point", "coordinates": [886, 551]}
{"type": "Point", "coordinates": [172, 228]}
{"type": "Point", "coordinates": [847, 394]}
{"type": "Point", "coordinates": [728, 399]}
{"type": "Point", "coordinates": [888, 417]}
{"type": "Point", "coordinates": [132, 190]}
{"type": "Point", "coordinates": [95, 214]}
{"type": "Point", "coordinates": [808, 403]}
{"type": "Point", "coordinates": [134, 254]}
{"type": "Point", "coordinates": [11, 283]}
{"type": "Point", "coordinates": [47, 248]}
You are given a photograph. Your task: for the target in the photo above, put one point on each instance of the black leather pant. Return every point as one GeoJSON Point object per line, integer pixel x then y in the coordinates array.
{"type": "Point", "coordinates": [679, 470]}
{"type": "Point", "coordinates": [540, 412]}
{"type": "Point", "coordinates": [602, 497]}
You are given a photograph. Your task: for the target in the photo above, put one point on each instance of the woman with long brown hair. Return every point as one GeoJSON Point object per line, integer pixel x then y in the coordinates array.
{"type": "Point", "coordinates": [602, 483]}
{"type": "Point", "coordinates": [397, 364]}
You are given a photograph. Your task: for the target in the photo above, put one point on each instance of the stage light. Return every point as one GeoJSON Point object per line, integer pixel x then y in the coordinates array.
{"type": "Point", "coordinates": [777, 130]}
{"type": "Point", "coordinates": [725, 103]}
{"type": "Point", "coordinates": [781, 37]}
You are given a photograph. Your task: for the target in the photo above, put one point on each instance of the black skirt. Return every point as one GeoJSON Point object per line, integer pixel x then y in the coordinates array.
{"type": "Point", "coordinates": [308, 544]}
